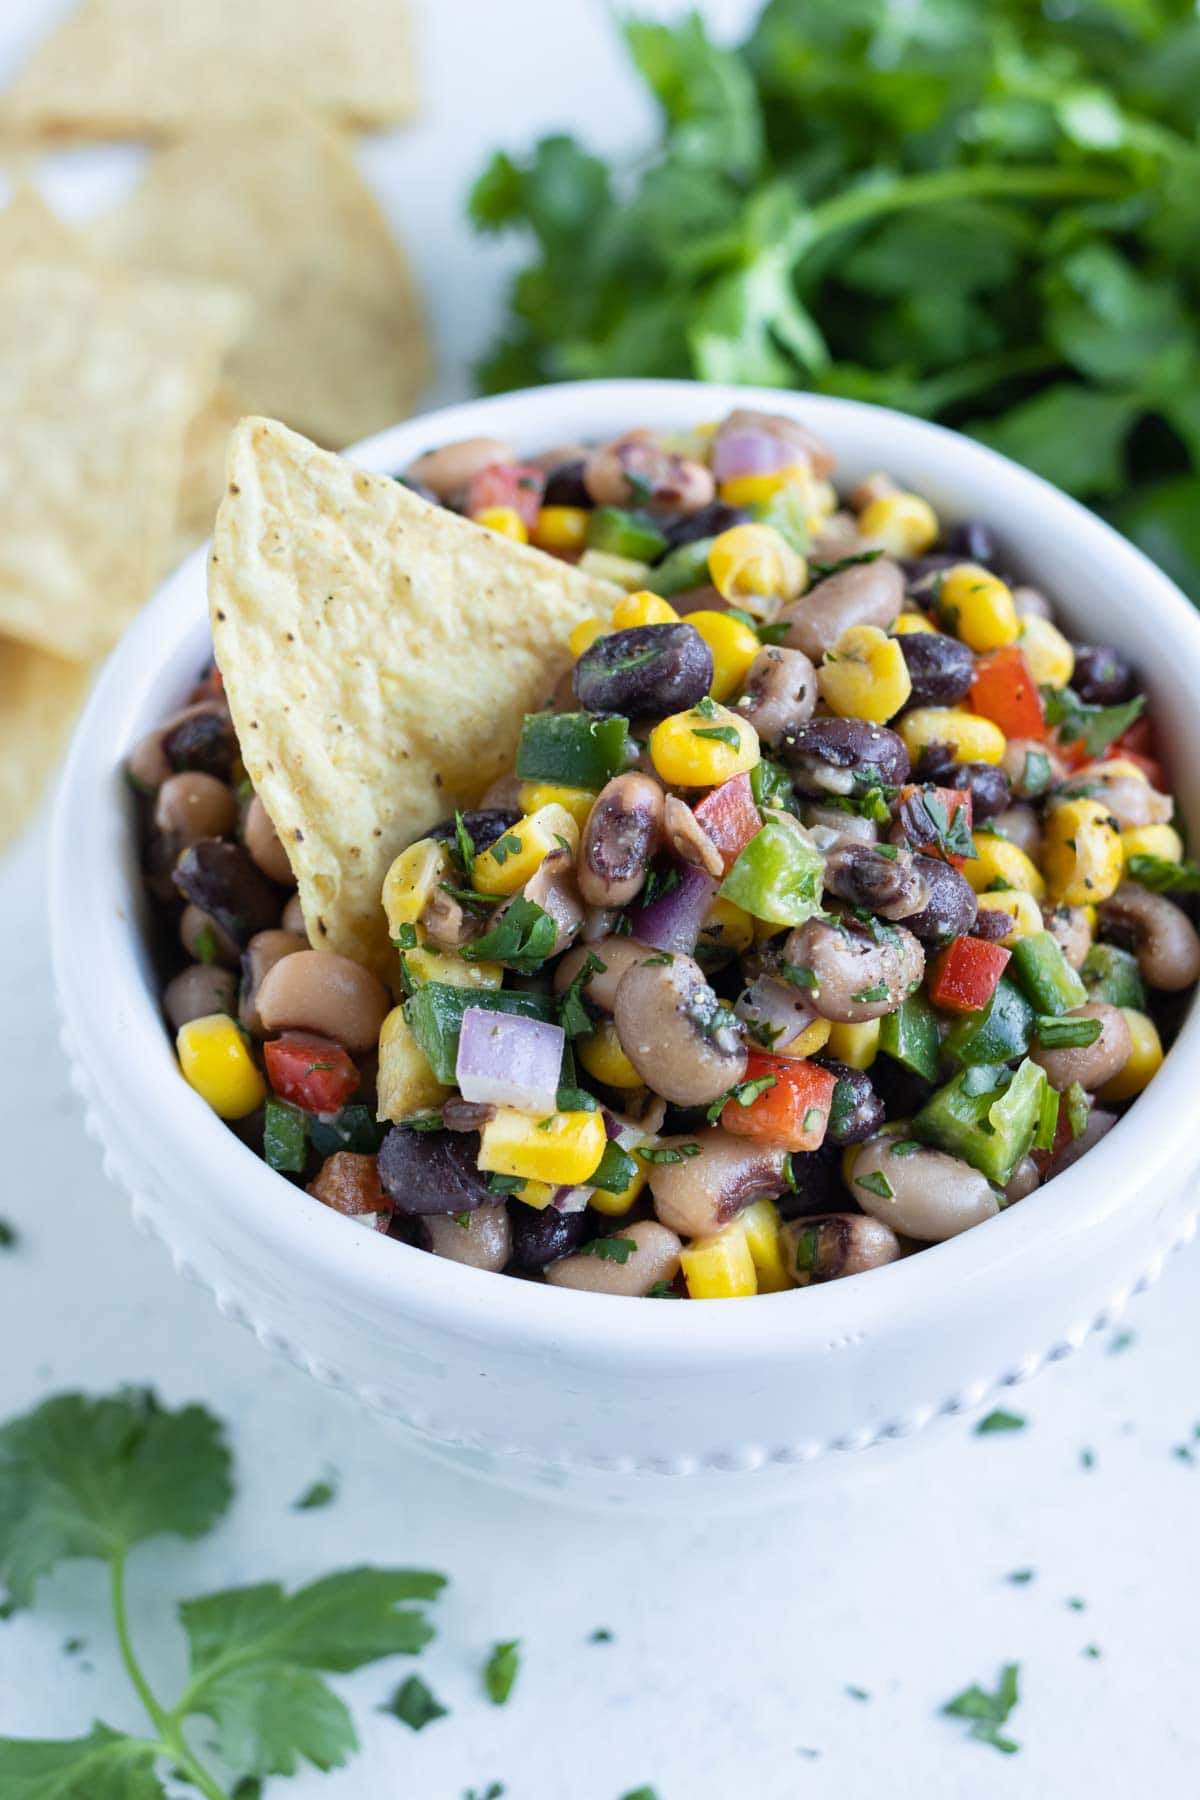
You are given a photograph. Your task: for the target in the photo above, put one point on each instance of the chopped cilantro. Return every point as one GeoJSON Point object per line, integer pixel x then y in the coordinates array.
{"type": "Point", "coordinates": [663, 1290]}
{"type": "Point", "coordinates": [504, 847]}
{"type": "Point", "coordinates": [8, 1235]}
{"type": "Point", "coordinates": [414, 1705]}
{"type": "Point", "coordinates": [869, 995]}
{"type": "Point", "coordinates": [988, 1711]}
{"type": "Point", "coordinates": [666, 1153]}
{"type": "Point", "coordinates": [744, 1092]}
{"type": "Point", "coordinates": [574, 1014]}
{"type": "Point", "coordinates": [1095, 727]}
{"type": "Point", "coordinates": [320, 1493]}
{"type": "Point", "coordinates": [876, 1183]}
{"type": "Point", "coordinates": [999, 1420]}
{"type": "Point", "coordinates": [406, 938]}
{"type": "Point", "coordinates": [1020, 1577]}
{"type": "Point", "coordinates": [500, 1670]}
{"type": "Point", "coordinates": [522, 938]}
{"type": "Point", "coordinates": [797, 976]}
{"type": "Point", "coordinates": [1164, 877]}
{"type": "Point", "coordinates": [610, 1249]}
{"type": "Point", "coordinates": [465, 845]}
{"type": "Point", "coordinates": [721, 734]}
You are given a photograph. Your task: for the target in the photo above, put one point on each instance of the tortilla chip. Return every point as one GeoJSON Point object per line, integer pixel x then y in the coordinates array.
{"type": "Point", "coordinates": [335, 344]}
{"type": "Point", "coordinates": [28, 227]}
{"type": "Point", "coordinates": [378, 654]}
{"type": "Point", "coordinates": [137, 68]}
{"type": "Point", "coordinates": [39, 698]}
{"type": "Point", "coordinates": [203, 481]}
{"type": "Point", "coordinates": [99, 377]}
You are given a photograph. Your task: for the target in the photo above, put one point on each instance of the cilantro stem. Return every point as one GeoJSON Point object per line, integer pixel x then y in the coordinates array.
{"type": "Point", "coordinates": [933, 188]}
{"type": "Point", "coordinates": [170, 1734]}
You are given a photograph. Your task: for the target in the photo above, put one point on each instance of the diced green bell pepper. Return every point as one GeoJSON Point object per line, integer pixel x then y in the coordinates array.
{"type": "Point", "coordinates": [623, 571]}
{"type": "Point", "coordinates": [572, 749]}
{"type": "Point", "coordinates": [771, 785]}
{"type": "Point", "coordinates": [285, 1137]}
{"type": "Point", "coordinates": [787, 513]}
{"type": "Point", "coordinates": [999, 1033]}
{"type": "Point", "coordinates": [1045, 974]}
{"type": "Point", "coordinates": [1110, 973]}
{"type": "Point", "coordinates": [434, 1015]}
{"type": "Point", "coordinates": [910, 1036]}
{"type": "Point", "coordinates": [354, 1128]}
{"type": "Point", "coordinates": [987, 1116]}
{"type": "Point", "coordinates": [620, 533]}
{"type": "Point", "coordinates": [682, 569]}
{"type": "Point", "coordinates": [778, 877]}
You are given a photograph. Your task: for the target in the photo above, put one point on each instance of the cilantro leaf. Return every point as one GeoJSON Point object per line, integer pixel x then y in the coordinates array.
{"type": "Point", "coordinates": [500, 1671]}
{"type": "Point", "coordinates": [610, 1249]}
{"type": "Point", "coordinates": [1163, 877]}
{"type": "Point", "coordinates": [522, 938]}
{"type": "Point", "coordinates": [414, 1705]}
{"type": "Point", "coordinates": [83, 1477]}
{"type": "Point", "coordinates": [574, 1014]}
{"type": "Point", "coordinates": [318, 1494]}
{"type": "Point", "coordinates": [989, 1711]}
{"type": "Point", "coordinates": [999, 1420]}
{"type": "Point", "coordinates": [1095, 727]}
{"type": "Point", "coordinates": [256, 1653]}
{"type": "Point", "coordinates": [105, 1765]}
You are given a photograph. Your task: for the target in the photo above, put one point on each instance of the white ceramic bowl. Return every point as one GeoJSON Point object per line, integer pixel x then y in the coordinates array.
{"type": "Point", "coordinates": [608, 1399]}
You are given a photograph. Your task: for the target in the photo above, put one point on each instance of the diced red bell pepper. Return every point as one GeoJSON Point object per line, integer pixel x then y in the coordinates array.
{"type": "Point", "coordinates": [964, 976]}
{"type": "Point", "coordinates": [1005, 692]}
{"type": "Point", "coordinates": [954, 800]}
{"type": "Point", "coordinates": [518, 485]}
{"type": "Point", "coordinates": [793, 1111]}
{"type": "Point", "coordinates": [730, 817]}
{"type": "Point", "coordinates": [313, 1072]}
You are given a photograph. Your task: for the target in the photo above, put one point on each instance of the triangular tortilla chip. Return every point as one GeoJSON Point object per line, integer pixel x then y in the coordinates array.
{"type": "Point", "coordinates": [99, 376]}
{"type": "Point", "coordinates": [203, 481]}
{"type": "Point", "coordinates": [28, 227]}
{"type": "Point", "coordinates": [136, 68]}
{"type": "Point", "coordinates": [39, 698]}
{"type": "Point", "coordinates": [378, 653]}
{"type": "Point", "coordinates": [334, 344]}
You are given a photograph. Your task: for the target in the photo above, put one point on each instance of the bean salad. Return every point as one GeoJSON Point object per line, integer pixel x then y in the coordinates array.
{"type": "Point", "coordinates": [834, 903]}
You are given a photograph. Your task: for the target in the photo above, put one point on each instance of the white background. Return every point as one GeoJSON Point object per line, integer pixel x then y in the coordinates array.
{"type": "Point", "coordinates": [735, 1641]}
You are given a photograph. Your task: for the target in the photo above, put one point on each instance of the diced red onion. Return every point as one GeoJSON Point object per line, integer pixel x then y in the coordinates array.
{"type": "Point", "coordinates": [571, 1199]}
{"type": "Point", "coordinates": [673, 921]}
{"type": "Point", "coordinates": [750, 453]}
{"type": "Point", "coordinates": [504, 1060]}
{"type": "Point", "coordinates": [781, 1009]}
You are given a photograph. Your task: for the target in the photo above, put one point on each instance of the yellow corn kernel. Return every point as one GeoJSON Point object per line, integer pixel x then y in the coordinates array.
{"type": "Point", "coordinates": [425, 964]}
{"type": "Point", "coordinates": [760, 1223]}
{"type": "Point", "coordinates": [997, 859]}
{"type": "Point", "coordinates": [563, 1148]}
{"type": "Point", "coordinates": [584, 635]}
{"type": "Point", "coordinates": [216, 1062]}
{"type": "Point", "coordinates": [561, 528]}
{"type": "Point", "coordinates": [750, 560]}
{"type": "Point", "coordinates": [904, 524]}
{"type": "Point", "coordinates": [974, 739]}
{"type": "Point", "coordinates": [977, 607]}
{"type": "Point", "coordinates": [602, 1056]}
{"type": "Point", "coordinates": [1153, 840]}
{"type": "Point", "coordinates": [1115, 766]}
{"type": "Point", "coordinates": [1145, 1058]}
{"type": "Point", "coordinates": [412, 881]}
{"type": "Point", "coordinates": [537, 1194]}
{"type": "Point", "coordinates": [909, 622]}
{"type": "Point", "coordinates": [615, 1206]}
{"type": "Point", "coordinates": [406, 1083]}
{"type": "Point", "coordinates": [513, 858]}
{"type": "Point", "coordinates": [533, 795]}
{"type": "Point", "coordinates": [720, 1267]}
{"type": "Point", "coordinates": [865, 675]}
{"type": "Point", "coordinates": [1026, 913]}
{"type": "Point", "coordinates": [727, 927]}
{"type": "Point", "coordinates": [855, 1045]}
{"type": "Point", "coordinates": [734, 647]}
{"type": "Point", "coordinates": [1051, 656]}
{"type": "Point", "coordinates": [823, 503]}
{"type": "Point", "coordinates": [685, 752]}
{"type": "Point", "coordinates": [642, 608]}
{"type": "Point", "coordinates": [814, 1037]}
{"type": "Point", "coordinates": [506, 521]}
{"type": "Point", "coordinates": [751, 490]}
{"type": "Point", "coordinates": [1082, 854]}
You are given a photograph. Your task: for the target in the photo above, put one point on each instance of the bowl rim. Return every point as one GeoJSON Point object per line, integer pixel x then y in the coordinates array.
{"type": "Point", "coordinates": [99, 968]}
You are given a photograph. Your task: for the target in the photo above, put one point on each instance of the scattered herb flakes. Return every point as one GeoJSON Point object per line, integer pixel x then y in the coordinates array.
{"type": "Point", "coordinates": [1020, 1577]}
{"type": "Point", "coordinates": [876, 1183]}
{"type": "Point", "coordinates": [988, 1712]}
{"type": "Point", "coordinates": [414, 1705]}
{"type": "Point", "coordinates": [664, 1290]}
{"type": "Point", "coordinates": [806, 1751]}
{"type": "Point", "coordinates": [1120, 1341]}
{"type": "Point", "coordinates": [665, 1153]}
{"type": "Point", "coordinates": [744, 1092]}
{"type": "Point", "coordinates": [500, 1671]}
{"type": "Point", "coordinates": [8, 1235]}
{"type": "Point", "coordinates": [73, 1645]}
{"type": "Point", "coordinates": [857, 1693]}
{"type": "Point", "coordinates": [601, 1635]}
{"type": "Point", "coordinates": [406, 938]}
{"type": "Point", "coordinates": [321, 1493]}
{"type": "Point", "coordinates": [1185, 1454]}
{"type": "Point", "coordinates": [642, 1793]}
{"type": "Point", "coordinates": [1087, 1458]}
{"type": "Point", "coordinates": [610, 1249]}
{"type": "Point", "coordinates": [574, 1014]}
{"type": "Point", "coordinates": [1095, 727]}
{"type": "Point", "coordinates": [999, 1420]}
{"type": "Point", "coordinates": [1075, 1604]}
{"type": "Point", "coordinates": [1092, 1651]}
{"type": "Point", "coordinates": [493, 1791]}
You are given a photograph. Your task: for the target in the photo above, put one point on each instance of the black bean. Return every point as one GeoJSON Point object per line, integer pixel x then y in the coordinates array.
{"type": "Point", "coordinates": [646, 672]}
{"type": "Point", "coordinates": [817, 1185]}
{"type": "Point", "coordinates": [710, 521]}
{"type": "Point", "coordinates": [856, 1111]}
{"type": "Point", "coordinates": [869, 753]}
{"type": "Point", "coordinates": [542, 1235]}
{"type": "Point", "coordinates": [565, 486]}
{"type": "Point", "coordinates": [432, 1172]}
{"type": "Point", "coordinates": [972, 539]}
{"type": "Point", "coordinates": [206, 742]}
{"type": "Point", "coordinates": [1102, 676]}
{"type": "Point", "coordinates": [940, 668]}
{"type": "Point", "coordinates": [224, 880]}
{"type": "Point", "coordinates": [485, 827]}
{"type": "Point", "coordinates": [919, 571]}
{"type": "Point", "coordinates": [992, 924]}
{"type": "Point", "coordinates": [988, 785]}
{"type": "Point", "coordinates": [950, 908]}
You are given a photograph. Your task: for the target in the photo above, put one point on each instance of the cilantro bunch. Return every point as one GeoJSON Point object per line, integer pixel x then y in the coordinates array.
{"type": "Point", "coordinates": [96, 1478]}
{"type": "Point", "coordinates": [979, 211]}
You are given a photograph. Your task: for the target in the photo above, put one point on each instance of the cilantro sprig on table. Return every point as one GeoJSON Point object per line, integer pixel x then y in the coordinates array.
{"type": "Point", "coordinates": [90, 1478]}
{"type": "Point", "coordinates": [989, 1711]}
{"type": "Point", "coordinates": [782, 230]}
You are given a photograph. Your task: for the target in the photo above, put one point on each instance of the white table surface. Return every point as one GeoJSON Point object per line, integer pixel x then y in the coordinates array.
{"type": "Point", "coordinates": [735, 1640]}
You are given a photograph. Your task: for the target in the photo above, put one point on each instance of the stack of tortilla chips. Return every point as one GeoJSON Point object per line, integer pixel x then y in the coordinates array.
{"type": "Point", "coordinates": [250, 270]}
